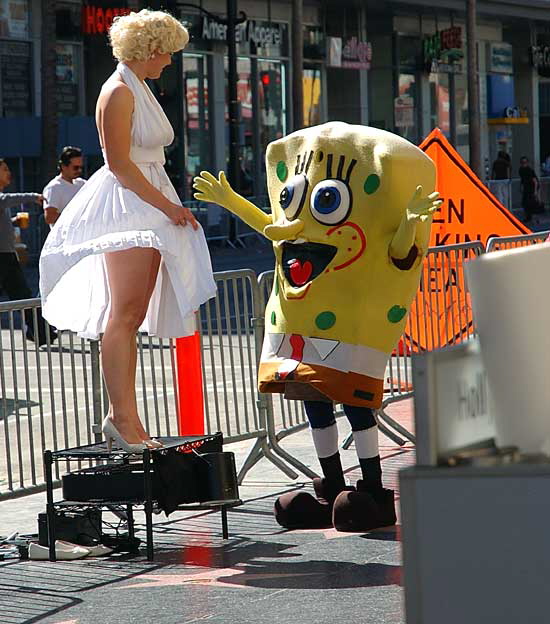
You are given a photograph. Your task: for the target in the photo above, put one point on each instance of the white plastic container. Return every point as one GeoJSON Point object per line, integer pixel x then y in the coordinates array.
{"type": "Point", "coordinates": [511, 304]}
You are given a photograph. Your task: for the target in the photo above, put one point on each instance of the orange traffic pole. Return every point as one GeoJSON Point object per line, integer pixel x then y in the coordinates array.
{"type": "Point", "coordinates": [189, 385]}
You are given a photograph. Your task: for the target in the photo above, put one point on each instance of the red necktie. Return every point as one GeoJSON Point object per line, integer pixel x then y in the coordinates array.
{"type": "Point", "coordinates": [297, 343]}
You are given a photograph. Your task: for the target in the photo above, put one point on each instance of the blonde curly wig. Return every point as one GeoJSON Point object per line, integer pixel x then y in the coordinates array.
{"type": "Point", "coordinates": [137, 36]}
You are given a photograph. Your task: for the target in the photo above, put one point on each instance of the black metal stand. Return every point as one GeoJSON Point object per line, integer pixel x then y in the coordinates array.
{"type": "Point", "coordinates": [100, 452]}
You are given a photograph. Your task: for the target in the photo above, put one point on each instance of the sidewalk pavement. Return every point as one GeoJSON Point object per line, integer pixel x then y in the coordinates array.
{"type": "Point", "coordinates": [261, 573]}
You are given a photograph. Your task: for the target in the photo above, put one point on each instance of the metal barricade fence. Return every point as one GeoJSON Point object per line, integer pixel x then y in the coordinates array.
{"type": "Point", "coordinates": [49, 396]}
{"type": "Point", "coordinates": [53, 397]}
{"type": "Point", "coordinates": [231, 341]}
{"type": "Point", "coordinates": [510, 242]}
{"type": "Point", "coordinates": [509, 193]}
{"type": "Point", "coordinates": [440, 316]}
{"type": "Point", "coordinates": [229, 357]}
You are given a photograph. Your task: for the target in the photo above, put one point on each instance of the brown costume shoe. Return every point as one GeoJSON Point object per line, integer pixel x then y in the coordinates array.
{"type": "Point", "coordinates": [364, 509]}
{"type": "Point", "coordinates": [301, 510]}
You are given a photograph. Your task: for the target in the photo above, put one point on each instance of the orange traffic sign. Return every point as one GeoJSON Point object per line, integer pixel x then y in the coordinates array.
{"type": "Point", "coordinates": [441, 314]}
{"type": "Point", "coordinates": [469, 211]}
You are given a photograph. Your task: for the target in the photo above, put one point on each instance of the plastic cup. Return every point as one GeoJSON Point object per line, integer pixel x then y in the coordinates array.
{"type": "Point", "coordinates": [23, 219]}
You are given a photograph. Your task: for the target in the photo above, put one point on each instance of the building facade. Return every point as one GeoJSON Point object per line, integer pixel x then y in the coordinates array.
{"type": "Point", "coordinates": [400, 66]}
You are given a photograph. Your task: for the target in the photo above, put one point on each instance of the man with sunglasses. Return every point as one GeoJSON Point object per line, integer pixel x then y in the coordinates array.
{"type": "Point", "coordinates": [59, 191]}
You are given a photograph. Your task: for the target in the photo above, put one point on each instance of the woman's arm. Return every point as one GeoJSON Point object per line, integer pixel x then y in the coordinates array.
{"type": "Point", "coordinates": [116, 105]}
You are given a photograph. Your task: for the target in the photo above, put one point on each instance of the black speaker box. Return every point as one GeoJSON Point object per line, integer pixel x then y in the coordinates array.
{"type": "Point", "coordinates": [79, 527]}
{"type": "Point", "coordinates": [217, 477]}
{"type": "Point", "coordinates": [177, 479]}
{"type": "Point", "coordinates": [111, 483]}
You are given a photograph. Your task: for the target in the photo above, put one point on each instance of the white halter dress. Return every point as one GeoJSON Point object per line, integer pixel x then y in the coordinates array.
{"type": "Point", "coordinates": [105, 216]}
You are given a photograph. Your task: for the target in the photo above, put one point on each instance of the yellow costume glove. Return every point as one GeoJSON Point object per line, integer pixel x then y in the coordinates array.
{"type": "Point", "coordinates": [419, 212]}
{"type": "Point", "coordinates": [218, 191]}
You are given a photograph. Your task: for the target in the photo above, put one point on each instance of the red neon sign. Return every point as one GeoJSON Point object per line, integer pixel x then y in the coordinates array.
{"type": "Point", "coordinates": [98, 20]}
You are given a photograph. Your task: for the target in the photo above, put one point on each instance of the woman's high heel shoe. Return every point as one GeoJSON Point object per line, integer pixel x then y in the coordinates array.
{"type": "Point", "coordinates": [153, 443]}
{"type": "Point", "coordinates": [111, 434]}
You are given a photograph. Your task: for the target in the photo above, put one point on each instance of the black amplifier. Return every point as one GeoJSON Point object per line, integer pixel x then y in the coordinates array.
{"type": "Point", "coordinates": [177, 478]}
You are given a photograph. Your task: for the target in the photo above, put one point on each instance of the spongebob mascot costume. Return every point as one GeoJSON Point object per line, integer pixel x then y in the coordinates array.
{"type": "Point", "coordinates": [351, 214]}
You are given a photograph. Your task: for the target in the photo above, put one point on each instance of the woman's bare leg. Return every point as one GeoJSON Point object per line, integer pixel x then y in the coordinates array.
{"type": "Point", "coordinates": [151, 281]}
{"type": "Point", "coordinates": [129, 273]}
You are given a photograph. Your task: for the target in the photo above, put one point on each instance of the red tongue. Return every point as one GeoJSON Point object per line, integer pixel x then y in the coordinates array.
{"type": "Point", "coordinates": [300, 273]}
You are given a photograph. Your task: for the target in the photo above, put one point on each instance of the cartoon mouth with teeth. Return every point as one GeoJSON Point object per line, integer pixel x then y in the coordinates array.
{"type": "Point", "coordinates": [338, 305]}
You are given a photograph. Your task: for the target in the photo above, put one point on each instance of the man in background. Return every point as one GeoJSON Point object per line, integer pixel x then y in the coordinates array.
{"type": "Point", "coordinates": [60, 190]}
{"type": "Point", "coordinates": [12, 278]}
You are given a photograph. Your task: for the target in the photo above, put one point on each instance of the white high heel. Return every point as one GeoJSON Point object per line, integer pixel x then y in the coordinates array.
{"type": "Point", "coordinates": [153, 443]}
{"type": "Point", "coordinates": [112, 434]}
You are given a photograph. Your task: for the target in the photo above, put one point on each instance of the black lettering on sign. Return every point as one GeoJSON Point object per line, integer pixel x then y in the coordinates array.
{"type": "Point", "coordinates": [438, 211]}
{"type": "Point", "coordinates": [436, 279]}
{"type": "Point", "coordinates": [453, 209]}
{"type": "Point", "coordinates": [453, 212]}
{"type": "Point", "coordinates": [456, 238]}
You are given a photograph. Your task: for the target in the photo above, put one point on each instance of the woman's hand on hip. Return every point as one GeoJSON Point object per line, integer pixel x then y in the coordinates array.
{"type": "Point", "coordinates": [180, 215]}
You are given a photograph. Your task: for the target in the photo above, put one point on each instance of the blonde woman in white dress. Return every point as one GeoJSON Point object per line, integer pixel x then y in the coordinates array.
{"type": "Point", "coordinates": [125, 255]}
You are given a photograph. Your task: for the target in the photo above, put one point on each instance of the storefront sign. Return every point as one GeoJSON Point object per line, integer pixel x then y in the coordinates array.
{"type": "Point", "coordinates": [98, 20]}
{"type": "Point", "coordinates": [356, 54]}
{"type": "Point", "coordinates": [352, 53]}
{"type": "Point", "coordinates": [252, 36]}
{"type": "Point", "coordinates": [443, 50]}
{"type": "Point", "coordinates": [261, 33]}
{"type": "Point", "coordinates": [540, 58]}
{"type": "Point", "coordinates": [500, 57]}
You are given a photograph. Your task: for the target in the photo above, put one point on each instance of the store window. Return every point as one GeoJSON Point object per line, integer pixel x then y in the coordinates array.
{"type": "Point", "coordinates": [460, 88]}
{"type": "Point", "coordinates": [15, 79]}
{"type": "Point", "coordinates": [14, 19]}
{"type": "Point", "coordinates": [67, 74]}
{"type": "Point", "coordinates": [68, 21]}
{"type": "Point", "coordinates": [312, 95]}
{"type": "Point", "coordinates": [408, 55]}
{"type": "Point", "coordinates": [405, 107]}
{"type": "Point", "coordinates": [440, 114]}
{"type": "Point", "coordinates": [272, 98]}
{"type": "Point", "coordinates": [15, 59]}
{"type": "Point", "coordinates": [246, 122]}
{"type": "Point", "coordinates": [195, 89]}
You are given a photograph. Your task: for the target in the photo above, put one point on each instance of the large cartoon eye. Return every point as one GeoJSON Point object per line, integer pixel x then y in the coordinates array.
{"type": "Point", "coordinates": [292, 197]}
{"type": "Point", "coordinates": [331, 202]}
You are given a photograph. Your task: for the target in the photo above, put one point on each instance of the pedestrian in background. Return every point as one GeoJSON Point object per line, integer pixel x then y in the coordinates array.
{"type": "Point", "coordinates": [12, 278]}
{"type": "Point", "coordinates": [60, 190]}
{"type": "Point", "coordinates": [529, 189]}
{"type": "Point", "coordinates": [502, 170]}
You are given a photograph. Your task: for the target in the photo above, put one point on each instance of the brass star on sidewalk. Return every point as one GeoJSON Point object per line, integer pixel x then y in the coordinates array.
{"type": "Point", "coordinates": [236, 578]}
